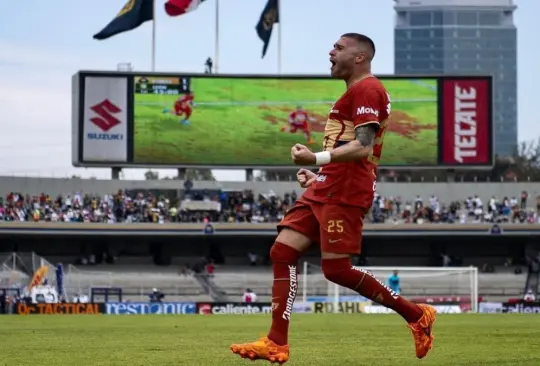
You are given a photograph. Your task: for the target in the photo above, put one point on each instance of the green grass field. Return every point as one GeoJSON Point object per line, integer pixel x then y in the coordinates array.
{"type": "Point", "coordinates": [238, 121]}
{"type": "Point", "coordinates": [326, 340]}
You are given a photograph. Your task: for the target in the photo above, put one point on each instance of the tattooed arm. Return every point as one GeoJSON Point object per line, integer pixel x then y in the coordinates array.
{"type": "Point", "coordinates": [359, 148]}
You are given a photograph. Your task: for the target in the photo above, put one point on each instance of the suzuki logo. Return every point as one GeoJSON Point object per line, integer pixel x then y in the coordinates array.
{"type": "Point", "coordinates": [105, 111]}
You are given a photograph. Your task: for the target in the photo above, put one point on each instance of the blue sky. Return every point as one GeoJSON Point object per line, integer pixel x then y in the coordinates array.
{"type": "Point", "coordinates": [42, 45]}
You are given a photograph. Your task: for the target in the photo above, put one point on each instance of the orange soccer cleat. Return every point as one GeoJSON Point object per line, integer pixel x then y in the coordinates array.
{"type": "Point", "coordinates": [283, 129]}
{"type": "Point", "coordinates": [422, 330]}
{"type": "Point", "coordinates": [310, 141]}
{"type": "Point", "coordinates": [263, 349]}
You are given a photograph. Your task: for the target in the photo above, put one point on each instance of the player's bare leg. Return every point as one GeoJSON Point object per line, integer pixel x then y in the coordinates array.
{"type": "Point", "coordinates": [420, 318]}
{"type": "Point", "coordinates": [284, 255]}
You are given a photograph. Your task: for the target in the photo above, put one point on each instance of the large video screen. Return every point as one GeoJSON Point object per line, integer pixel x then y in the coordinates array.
{"type": "Point", "coordinates": [240, 121]}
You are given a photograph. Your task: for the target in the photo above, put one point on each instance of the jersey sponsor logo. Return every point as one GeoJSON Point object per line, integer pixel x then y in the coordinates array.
{"type": "Point", "coordinates": [465, 117]}
{"type": "Point", "coordinates": [332, 241]}
{"type": "Point", "coordinates": [293, 289]}
{"type": "Point", "coordinates": [367, 110]}
{"type": "Point", "coordinates": [321, 178]}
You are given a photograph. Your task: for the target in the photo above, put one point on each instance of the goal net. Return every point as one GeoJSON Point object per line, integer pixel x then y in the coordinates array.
{"type": "Point", "coordinates": [457, 286]}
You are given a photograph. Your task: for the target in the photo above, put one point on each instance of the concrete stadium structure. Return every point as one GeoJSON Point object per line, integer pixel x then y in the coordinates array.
{"type": "Point", "coordinates": [445, 191]}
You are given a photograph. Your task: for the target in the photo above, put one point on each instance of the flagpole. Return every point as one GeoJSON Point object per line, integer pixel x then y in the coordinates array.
{"type": "Point", "coordinates": [279, 38]}
{"type": "Point", "coordinates": [216, 45]}
{"type": "Point", "coordinates": [154, 38]}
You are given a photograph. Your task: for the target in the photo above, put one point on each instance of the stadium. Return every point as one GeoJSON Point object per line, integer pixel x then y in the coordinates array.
{"type": "Point", "coordinates": [160, 262]}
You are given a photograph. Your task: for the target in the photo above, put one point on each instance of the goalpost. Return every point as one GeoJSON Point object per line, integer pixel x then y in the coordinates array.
{"type": "Point", "coordinates": [441, 284]}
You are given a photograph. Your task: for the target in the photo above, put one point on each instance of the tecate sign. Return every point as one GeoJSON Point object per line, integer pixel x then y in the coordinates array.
{"type": "Point", "coordinates": [466, 122]}
{"type": "Point", "coordinates": [151, 308]}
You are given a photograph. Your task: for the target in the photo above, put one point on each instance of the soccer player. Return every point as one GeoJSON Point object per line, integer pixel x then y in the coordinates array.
{"type": "Point", "coordinates": [393, 282]}
{"type": "Point", "coordinates": [299, 120]}
{"type": "Point", "coordinates": [182, 107]}
{"type": "Point", "coordinates": [331, 210]}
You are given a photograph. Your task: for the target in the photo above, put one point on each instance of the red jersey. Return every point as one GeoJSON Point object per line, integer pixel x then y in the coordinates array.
{"type": "Point", "coordinates": [187, 98]}
{"type": "Point", "coordinates": [298, 118]}
{"type": "Point", "coordinates": [352, 183]}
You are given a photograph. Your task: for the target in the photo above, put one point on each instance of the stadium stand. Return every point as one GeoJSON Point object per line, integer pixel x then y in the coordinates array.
{"type": "Point", "coordinates": [208, 203]}
{"type": "Point", "coordinates": [203, 205]}
{"type": "Point", "coordinates": [184, 284]}
{"type": "Point", "coordinates": [447, 192]}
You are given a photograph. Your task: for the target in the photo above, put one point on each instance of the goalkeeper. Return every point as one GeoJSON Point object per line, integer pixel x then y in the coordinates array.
{"type": "Point", "coordinates": [393, 282]}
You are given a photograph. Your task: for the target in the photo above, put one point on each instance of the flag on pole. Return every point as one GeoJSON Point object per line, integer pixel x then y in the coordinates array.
{"type": "Point", "coordinates": [269, 17]}
{"type": "Point", "coordinates": [178, 7]}
{"type": "Point", "coordinates": [38, 277]}
{"type": "Point", "coordinates": [132, 15]}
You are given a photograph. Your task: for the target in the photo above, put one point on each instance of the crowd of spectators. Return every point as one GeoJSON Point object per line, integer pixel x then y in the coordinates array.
{"type": "Point", "coordinates": [202, 206]}
{"type": "Point", "coordinates": [469, 210]}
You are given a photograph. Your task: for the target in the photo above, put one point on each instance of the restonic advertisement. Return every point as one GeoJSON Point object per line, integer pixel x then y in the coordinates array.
{"type": "Point", "coordinates": [175, 120]}
{"type": "Point", "coordinates": [163, 308]}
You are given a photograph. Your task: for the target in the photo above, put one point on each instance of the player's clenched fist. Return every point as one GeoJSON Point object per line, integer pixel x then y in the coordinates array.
{"type": "Point", "coordinates": [302, 155]}
{"type": "Point", "coordinates": [305, 177]}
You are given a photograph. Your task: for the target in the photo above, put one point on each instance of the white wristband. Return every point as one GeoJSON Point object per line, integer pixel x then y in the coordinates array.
{"type": "Point", "coordinates": [323, 158]}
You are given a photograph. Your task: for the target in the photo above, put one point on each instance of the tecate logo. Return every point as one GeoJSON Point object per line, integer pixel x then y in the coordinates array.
{"type": "Point", "coordinates": [106, 120]}
{"type": "Point", "coordinates": [465, 115]}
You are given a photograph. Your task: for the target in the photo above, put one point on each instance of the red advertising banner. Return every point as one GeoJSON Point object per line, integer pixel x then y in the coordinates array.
{"type": "Point", "coordinates": [466, 122]}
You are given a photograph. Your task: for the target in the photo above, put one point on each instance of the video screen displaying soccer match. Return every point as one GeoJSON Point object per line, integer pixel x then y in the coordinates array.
{"type": "Point", "coordinates": [224, 121]}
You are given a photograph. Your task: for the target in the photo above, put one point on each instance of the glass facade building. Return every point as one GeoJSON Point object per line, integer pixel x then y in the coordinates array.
{"type": "Point", "coordinates": [463, 37]}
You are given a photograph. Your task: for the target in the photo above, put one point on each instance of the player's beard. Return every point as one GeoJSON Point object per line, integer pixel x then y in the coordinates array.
{"type": "Point", "coordinates": [338, 71]}
{"type": "Point", "coordinates": [333, 70]}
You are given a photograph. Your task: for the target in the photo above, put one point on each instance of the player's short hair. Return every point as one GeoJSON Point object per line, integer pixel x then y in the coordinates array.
{"type": "Point", "coordinates": [362, 39]}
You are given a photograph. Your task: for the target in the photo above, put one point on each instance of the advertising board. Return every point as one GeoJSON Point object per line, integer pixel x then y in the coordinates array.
{"type": "Point", "coordinates": [59, 309]}
{"type": "Point", "coordinates": [441, 309]}
{"type": "Point", "coordinates": [218, 308]}
{"type": "Point", "coordinates": [523, 307]}
{"type": "Point", "coordinates": [172, 119]}
{"type": "Point", "coordinates": [344, 307]}
{"type": "Point", "coordinates": [158, 308]}
{"type": "Point", "coordinates": [369, 308]}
